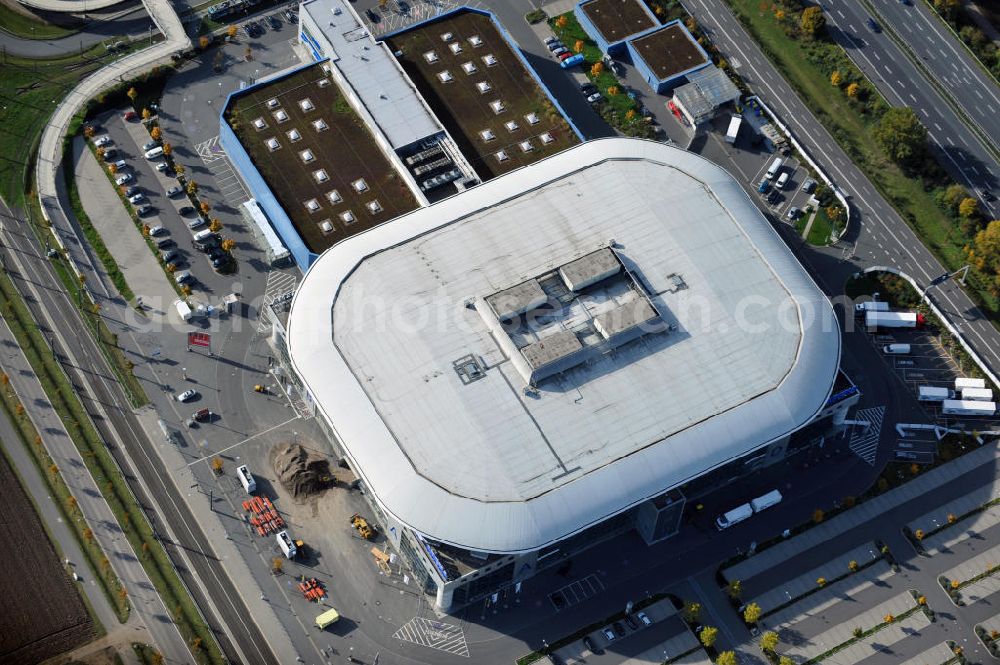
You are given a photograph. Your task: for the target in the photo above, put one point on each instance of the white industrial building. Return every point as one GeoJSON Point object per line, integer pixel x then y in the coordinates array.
{"type": "Point", "coordinates": [552, 357]}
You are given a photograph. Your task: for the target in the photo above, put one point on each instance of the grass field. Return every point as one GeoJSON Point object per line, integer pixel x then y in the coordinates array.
{"type": "Point", "coordinates": [26, 27]}
{"type": "Point", "coordinates": [807, 67]}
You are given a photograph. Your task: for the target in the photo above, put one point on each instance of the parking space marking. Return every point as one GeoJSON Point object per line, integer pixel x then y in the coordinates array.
{"type": "Point", "coordinates": [210, 150]}
{"type": "Point", "coordinates": [575, 593]}
{"type": "Point", "coordinates": [230, 186]}
{"type": "Point", "coordinates": [864, 443]}
{"type": "Point", "coordinates": [434, 634]}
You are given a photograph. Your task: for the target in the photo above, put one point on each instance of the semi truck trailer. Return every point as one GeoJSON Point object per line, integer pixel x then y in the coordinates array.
{"type": "Point", "coordinates": [875, 319]}
{"type": "Point", "coordinates": [960, 407]}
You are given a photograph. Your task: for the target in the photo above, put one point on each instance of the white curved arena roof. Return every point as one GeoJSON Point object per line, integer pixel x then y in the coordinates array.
{"type": "Point", "coordinates": [433, 414]}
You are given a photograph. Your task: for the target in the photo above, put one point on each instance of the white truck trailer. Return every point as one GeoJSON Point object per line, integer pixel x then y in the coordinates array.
{"type": "Point", "coordinates": [894, 319]}
{"type": "Point", "coordinates": [734, 128]}
{"type": "Point", "coordinates": [934, 394]}
{"type": "Point", "coordinates": [961, 383]}
{"type": "Point", "coordinates": [286, 544]}
{"type": "Point", "coordinates": [977, 394]}
{"type": "Point", "coordinates": [959, 407]}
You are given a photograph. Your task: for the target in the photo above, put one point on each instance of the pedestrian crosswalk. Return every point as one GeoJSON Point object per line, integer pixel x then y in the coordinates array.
{"type": "Point", "coordinates": [230, 186]}
{"type": "Point", "coordinates": [864, 440]}
{"type": "Point", "coordinates": [434, 634]}
{"type": "Point", "coordinates": [210, 150]}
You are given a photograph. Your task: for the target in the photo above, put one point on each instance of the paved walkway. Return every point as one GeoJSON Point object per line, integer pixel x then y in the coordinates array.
{"type": "Point", "coordinates": [865, 512]}
{"type": "Point", "coordinates": [936, 656]}
{"type": "Point", "coordinates": [147, 605]}
{"type": "Point", "coordinates": [70, 6]}
{"type": "Point", "coordinates": [806, 583]}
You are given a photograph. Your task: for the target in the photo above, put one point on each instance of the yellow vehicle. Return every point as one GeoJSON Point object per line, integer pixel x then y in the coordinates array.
{"type": "Point", "coordinates": [327, 618]}
{"type": "Point", "coordinates": [361, 524]}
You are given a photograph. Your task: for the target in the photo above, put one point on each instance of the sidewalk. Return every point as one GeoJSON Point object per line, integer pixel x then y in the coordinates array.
{"type": "Point", "coordinates": [865, 512]}
{"type": "Point", "coordinates": [147, 606]}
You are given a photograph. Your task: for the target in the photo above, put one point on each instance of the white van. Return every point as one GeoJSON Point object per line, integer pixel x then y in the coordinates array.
{"type": "Point", "coordinates": [782, 179]}
{"type": "Point", "coordinates": [154, 153]}
{"type": "Point", "coordinates": [901, 349]}
{"type": "Point", "coordinates": [246, 479]}
{"type": "Point", "coordinates": [734, 516]}
{"type": "Point", "coordinates": [766, 501]}
{"type": "Point", "coordinates": [184, 311]}
{"type": "Point", "coordinates": [773, 169]}
{"type": "Point", "coordinates": [201, 235]}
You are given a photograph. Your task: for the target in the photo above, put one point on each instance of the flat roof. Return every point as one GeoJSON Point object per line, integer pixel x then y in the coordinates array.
{"type": "Point", "coordinates": [450, 73]}
{"type": "Point", "coordinates": [617, 20]}
{"type": "Point", "coordinates": [372, 72]}
{"type": "Point", "coordinates": [433, 415]}
{"type": "Point", "coordinates": [669, 51]}
{"type": "Point", "coordinates": [317, 156]}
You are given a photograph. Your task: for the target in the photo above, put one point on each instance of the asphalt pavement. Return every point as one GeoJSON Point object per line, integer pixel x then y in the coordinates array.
{"type": "Point", "coordinates": [110, 25]}
{"type": "Point", "coordinates": [970, 156]}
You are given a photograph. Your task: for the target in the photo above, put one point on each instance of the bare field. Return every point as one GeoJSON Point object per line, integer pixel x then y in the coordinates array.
{"type": "Point", "coordinates": [43, 614]}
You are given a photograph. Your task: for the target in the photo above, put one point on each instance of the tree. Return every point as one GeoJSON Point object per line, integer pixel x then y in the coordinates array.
{"type": "Point", "coordinates": [383, 4]}
{"type": "Point", "coordinates": [168, 149]}
{"type": "Point", "coordinates": [122, 594]}
{"type": "Point", "coordinates": [215, 225]}
{"type": "Point", "coordinates": [968, 207]}
{"type": "Point", "coordinates": [919, 534]}
{"type": "Point", "coordinates": [630, 114]}
{"type": "Point", "coordinates": [612, 90]}
{"type": "Point", "coordinates": [217, 465]}
{"type": "Point", "coordinates": [157, 658]}
{"type": "Point", "coordinates": [88, 131]}
{"type": "Point", "coordinates": [113, 168]}
{"type": "Point", "coordinates": [818, 516]}
{"type": "Point", "coordinates": [708, 636]}
{"type": "Point", "coordinates": [155, 133]}
{"type": "Point", "coordinates": [691, 24]}
{"type": "Point", "coordinates": [813, 21]}
{"type": "Point", "coordinates": [769, 641]}
{"type": "Point", "coordinates": [596, 69]}
{"type": "Point", "coordinates": [779, 15]}
{"type": "Point", "coordinates": [562, 22]}
{"type": "Point", "coordinates": [751, 613]}
{"type": "Point", "coordinates": [857, 632]}
{"type": "Point", "coordinates": [179, 169]}
{"type": "Point", "coordinates": [132, 94]}
{"type": "Point", "coordinates": [901, 135]}
{"type": "Point", "coordinates": [985, 252]}
{"type": "Point", "coordinates": [231, 31]}
{"type": "Point", "coordinates": [204, 207]}
{"type": "Point", "coordinates": [836, 78]}
{"type": "Point", "coordinates": [947, 8]}
{"type": "Point", "coordinates": [203, 42]}
{"type": "Point", "coordinates": [186, 290]}
{"type": "Point", "coordinates": [692, 611]}
{"type": "Point", "coordinates": [953, 195]}
{"type": "Point", "coordinates": [228, 244]}
{"type": "Point", "coordinates": [852, 566]}
{"type": "Point", "coordinates": [785, 660]}
{"type": "Point", "coordinates": [852, 90]}
{"type": "Point", "coordinates": [146, 114]}
{"type": "Point", "coordinates": [734, 589]}
{"type": "Point", "coordinates": [192, 188]}
{"type": "Point", "coordinates": [726, 658]}
{"type": "Point", "coordinates": [248, 53]}
{"type": "Point", "coordinates": [71, 502]}
{"type": "Point", "coordinates": [100, 153]}
{"type": "Point", "coordinates": [88, 535]}
{"type": "Point", "coordinates": [888, 618]}
{"type": "Point", "coordinates": [276, 565]}
{"type": "Point", "coordinates": [821, 582]}
{"type": "Point", "coordinates": [578, 46]}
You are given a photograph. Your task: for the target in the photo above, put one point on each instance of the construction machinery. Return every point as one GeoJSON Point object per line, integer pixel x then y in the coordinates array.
{"type": "Point", "coordinates": [381, 560]}
{"type": "Point", "coordinates": [312, 589]}
{"type": "Point", "coordinates": [361, 524]}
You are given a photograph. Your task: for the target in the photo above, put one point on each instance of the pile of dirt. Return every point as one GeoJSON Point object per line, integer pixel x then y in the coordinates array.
{"type": "Point", "coordinates": [301, 472]}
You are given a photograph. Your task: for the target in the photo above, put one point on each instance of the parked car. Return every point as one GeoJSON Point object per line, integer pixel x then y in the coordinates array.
{"type": "Point", "coordinates": [274, 22]}
{"type": "Point", "coordinates": [183, 277]}
{"type": "Point", "coordinates": [169, 255]}
{"type": "Point", "coordinates": [793, 213]}
{"type": "Point", "coordinates": [144, 210]}
{"type": "Point", "coordinates": [187, 395]}
{"type": "Point", "coordinates": [136, 198]}
{"type": "Point", "coordinates": [161, 166]}
{"type": "Point", "coordinates": [157, 230]}
{"type": "Point", "coordinates": [195, 222]}
{"type": "Point", "coordinates": [609, 634]}
{"type": "Point", "coordinates": [774, 196]}
{"type": "Point", "coordinates": [548, 40]}
{"type": "Point", "coordinates": [588, 88]}
{"type": "Point", "coordinates": [120, 164]}
{"type": "Point", "coordinates": [102, 141]}
{"type": "Point", "coordinates": [632, 623]}
{"type": "Point", "coordinates": [291, 16]}
{"type": "Point", "coordinates": [559, 51]}
{"type": "Point", "coordinates": [554, 45]}
{"type": "Point", "coordinates": [588, 643]}
{"type": "Point", "coordinates": [595, 98]}
{"type": "Point", "coordinates": [110, 153]}
{"type": "Point", "coordinates": [644, 619]}
{"type": "Point", "coordinates": [564, 56]}
{"type": "Point", "coordinates": [809, 186]}
{"type": "Point", "coordinates": [149, 145]}
{"type": "Point", "coordinates": [163, 243]}
{"type": "Point", "coordinates": [186, 210]}
{"type": "Point", "coordinates": [132, 190]}
{"type": "Point", "coordinates": [123, 178]}
{"type": "Point", "coordinates": [619, 629]}
{"type": "Point", "coordinates": [372, 15]}
{"type": "Point", "coordinates": [174, 191]}
{"type": "Point", "coordinates": [129, 116]}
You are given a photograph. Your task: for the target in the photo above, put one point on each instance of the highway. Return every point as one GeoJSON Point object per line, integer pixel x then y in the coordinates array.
{"type": "Point", "coordinates": [970, 156]}
{"type": "Point", "coordinates": [178, 530]}
{"type": "Point", "coordinates": [879, 236]}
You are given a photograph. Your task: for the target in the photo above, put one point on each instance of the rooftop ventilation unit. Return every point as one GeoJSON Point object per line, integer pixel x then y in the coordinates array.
{"type": "Point", "coordinates": [374, 207]}
{"type": "Point", "coordinates": [272, 103]}
{"type": "Point", "coordinates": [431, 57]}
{"type": "Point", "coordinates": [323, 83]}
{"type": "Point", "coordinates": [487, 134]}
{"type": "Point", "coordinates": [501, 155]}
{"type": "Point", "coordinates": [306, 105]}
{"type": "Point", "coordinates": [532, 118]}
{"type": "Point", "coordinates": [476, 40]}
{"type": "Point", "coordinates": [347, 217]}
{"type": "Point", "coordinates": [312, 205]}
{"type": "Point", "coordinates": [319, 175]}
{"type": "Point", "coordinates": [306, 156]}
{"type": "Point", "coordinates": [334, 196]}
{"type": "Point", "coordinates": [272, 144]}
{"type": "Point", "coordinates": [447, 37]}
{"type": "Point", "coordinates": [511, 126]}
{"type": "Point", "coordinates": [455, 47]}
{"type": "Point", "coordinates": [445, 76]}
{"type": "Point", "coordinates": [360, 185]}
{"type": "Point", "coordinates": [497, 106]}
{"type": "Point", "coordinates": [326, 226]}
{"type": "Point", "coordinates": [280, 115]}
{"type": "Point", "coordinates": [526, 146]}
{"type": "Point", "coordinates": [293, 135]}
{"type": "Point", "coordinates": [489, 59]}
{"type": "Point", "coordinates": [469, 67]}
{"type": "Point", "coordinates": [259, 124]}
{"type": "Point", "coordinates": [483, 87]}
{"type": "Point", "coordinates": [546, 138]}
{"type": "Point", "coordinates": [319, 125]}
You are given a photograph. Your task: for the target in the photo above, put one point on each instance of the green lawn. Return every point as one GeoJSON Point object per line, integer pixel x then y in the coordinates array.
{"type": "Point", "coordinates": [26, 27]}
{"type": "Point", "coordinates": [807, 67]}
{"type": "Point", "coordinates": [819, 232]}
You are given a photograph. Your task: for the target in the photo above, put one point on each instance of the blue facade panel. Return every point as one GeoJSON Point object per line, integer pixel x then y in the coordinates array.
{"type": "Point", "coordinates": [663, 86]}
{"type": "Point", "coordinates": [258, 186]}
{"type": "Point", "coordinates": [513, 47]}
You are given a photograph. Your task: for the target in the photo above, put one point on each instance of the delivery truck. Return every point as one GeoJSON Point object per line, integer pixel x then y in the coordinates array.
{"type": "Point", "coordinates": [933, 394]}
{"type": "Point", "coordinates": [977, 394]}
{"type": "Point", "coordinates": [286, 544]}
{"type": "Point", "coordinates": [734, 516]}
{"type": "Point", "coordinates": [961, 383]}
{"type": "Point", "coordinates": [896, 349]}
{"type": "Point", "coordinates": [959, 407]}
{"type": "Point", "coordinates": [734, 128]}
{"type": "Point", "coordinates": [871, 306]}
{"type": "Point", "coordinates": [766, 501]}
{"type": "Point", "coordinates": [894, 320]}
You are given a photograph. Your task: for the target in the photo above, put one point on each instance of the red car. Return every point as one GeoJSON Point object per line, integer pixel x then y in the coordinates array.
{"type": "Point", "coordinates": [563, 56]}
{"type": "Point", "coordinates": [129, 116]}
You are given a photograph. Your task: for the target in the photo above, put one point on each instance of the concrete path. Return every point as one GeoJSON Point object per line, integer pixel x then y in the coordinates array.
{"type": "Point", "coordinates": [937, 655]}
{"type": "Point", "coordinates": [151, 614]}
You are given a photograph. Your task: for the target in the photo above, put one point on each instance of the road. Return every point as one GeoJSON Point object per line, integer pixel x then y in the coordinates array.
{"type": "Point", "coordinates": [878, 235]}
{"type": "Point", "coordinates": [970, 156]}
{"type": "Point", "coordinates": [108, 25]}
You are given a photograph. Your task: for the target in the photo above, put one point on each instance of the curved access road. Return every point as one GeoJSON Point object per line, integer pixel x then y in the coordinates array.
{"type": "Point", "coordinates": [128, 21]}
